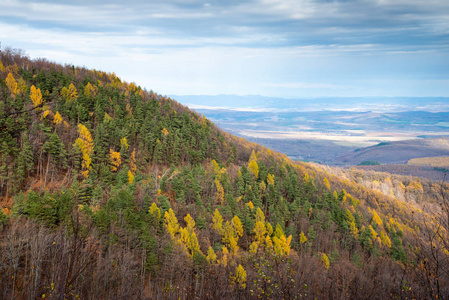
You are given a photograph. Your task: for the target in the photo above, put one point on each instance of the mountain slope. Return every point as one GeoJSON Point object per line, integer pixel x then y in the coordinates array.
{"type": "Point", "coordinates": [110, 191]}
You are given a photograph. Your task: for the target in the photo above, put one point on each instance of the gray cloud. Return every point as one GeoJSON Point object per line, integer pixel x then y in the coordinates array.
{"type": "Point", "coordinates": [287, 22]}
{"type": "Point", "coordinates": [292, 44]}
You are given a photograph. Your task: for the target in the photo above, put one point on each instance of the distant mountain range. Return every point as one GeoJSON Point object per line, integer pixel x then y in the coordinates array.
{"type": "Point", "coordinates": [270, 104]}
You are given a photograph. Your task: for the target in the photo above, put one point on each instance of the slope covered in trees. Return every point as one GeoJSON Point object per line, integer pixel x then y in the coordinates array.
{"type": "Point", "coordinates": [110, 191]}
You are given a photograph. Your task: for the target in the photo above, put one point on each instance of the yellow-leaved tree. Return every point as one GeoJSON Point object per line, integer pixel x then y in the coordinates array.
{"type": "Point", "coordinates": [220, 191]}
{"type": "Point", "coordinates": [270, 179]}
{"type": "Point", "coordinates": [35, 95]}
{"type": "Point", "coordinates": [302, 238]}
{"type": "Point", "coordinates": [240, 277]}
{"type": "Point", "coordinates": [58, 118]}
{"type": "Point", "coordinates": [70, 93]}
{"type": "Point", "coordinates": [231, 233]}
{"type": "Point", "coordinates": [171, 223]}
{"type": "Point", "coordinates": [155, 212]}
{"type": "Point", "coordinates": [130, 177]}
{"type": "Point", "coordinates": [12, 85]}
{"type": "Point", "coordinates": [326, 183]}
{"type": "Point", "coordinates": [385, 239]}
{"type": "Point", "coordinates": [260, 231]}
{"type": "Point", "coordinates": [132, 162]}
{"type": "Point", "coordinates": [217, 220]}
{"type": "Point", "coordinates": [124, 144]}
{"type": "Point", "coordinates": [90, 90]}
{"type": "Point", "coordinates": [280, 242]}
{"type": "Point", "coordinates": [188, 236]}
{"type": "Point", "coordinates": [325, 261]}
{"type": "Point", "coordinates": [254, 167]}
{"type": "Point", "coordinates": [211, 256]}
{"type": "Point", "coordinates": [224, 257]}
{"type": "Point", "coordinates": [376, 219]}
{"type": "Point", "coordinates": [253, 247]}
{"type": "Point", "coordinates": [115, 160]}
{"type": "Point", "coordinates": [86, 145]}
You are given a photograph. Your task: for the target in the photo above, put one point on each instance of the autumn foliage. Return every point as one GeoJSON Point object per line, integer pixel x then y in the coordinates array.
{"type": "Point", "coordinates": [120, 193]}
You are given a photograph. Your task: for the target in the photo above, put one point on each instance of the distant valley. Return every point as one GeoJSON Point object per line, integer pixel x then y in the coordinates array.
{"type": "Point", "coordinates": [337, 131]}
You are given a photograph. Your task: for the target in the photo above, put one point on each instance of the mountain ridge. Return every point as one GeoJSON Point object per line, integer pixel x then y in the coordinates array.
{"type": "Point", "coordinates": [110, 191]}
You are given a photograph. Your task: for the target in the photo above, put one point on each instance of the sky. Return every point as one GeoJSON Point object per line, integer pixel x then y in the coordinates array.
{"type": "Point", "coordinates": [275, 48]}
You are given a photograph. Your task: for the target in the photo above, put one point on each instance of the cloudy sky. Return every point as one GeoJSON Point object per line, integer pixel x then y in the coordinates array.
{"type": "Point", "coordinates": [282, 48]}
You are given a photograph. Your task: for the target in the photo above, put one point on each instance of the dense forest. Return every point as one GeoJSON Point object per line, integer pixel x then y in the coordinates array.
{"type": "Point", "coordinates": [110, 191]}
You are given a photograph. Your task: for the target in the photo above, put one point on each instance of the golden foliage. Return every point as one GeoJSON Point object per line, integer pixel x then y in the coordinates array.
{"type": "Point", "coordinates": [217, 219]}
{"type": "Point", "coordinates": [224, 258]}
{"type": "Point", "coordinates": [85, 144]}
{"type": "Point", "coordinates": [268, 243]}
{"type": "Point", "coordinates": [325, 261]}
{"type": "Point", "coordinates": [70, 93]}
{"type": "Point", "coordinates": [155, 211]}
{"type": "Point", "coordinates": [250, 205]}
{"type": "Point", "coordinates": [253, 156]}
{"type": "Point", "coordinates": [21, 85]}
{"type": "Point", "coordinates": [211, 256]}
{"type": "Point", "coordinates": [260, 217]}
{"type": "Point", "coordinates": [237, 224]}
{"type": "Point", "coordinates": [376, 219]}
{"type": "Point", "coordinates": [2, 67]}
{"type": "Point", "coordinates": [220, 191]}
{"type": "Point", "coordinates": [353, 229]}
{"type": "Point", "coordinates": [171, 223]}
{"type": "Point", "coordinates": [269, 228]}
{"type": "Point", "coordinates": [115, 160]}
{"type": "Point", "coordinates": [260, 231]}
{"type": "Point", "coordinates": [270, 179]}
{"type": "Point", "coordinates": [254, 168]}
{"type": "Point", "coordinates": [385, 239]}
{"type": "Point", "coordinates": [215, 166]}
{"type": "Point", "coordinates": [302, 238]}
{"type": "Point", "coordinates": [90, 90]}
{"type": "Point", "coordinates": [190, 222]}
{"type": "Point", "coordinates": [35, 95]}
{"type": "Point", "coordinates": [282, 245]}
{"type": "Point", "coordinates": [164, 131]}
{"type": "Point", "coordinates": [130, 177]}
{"type": "Point", "coordinates": [124, 143]}
{"type": "Point", "coordinates": [45, 114]}
{"type": "Point", "coordinates": [373, 232]}
{"type": "Point", "coordinates": [240, 277]}
{"type": "Point", "coordinates": [12, 85]}
{"type": "Point", "coordinates": [230, 236]}
{"type": "Point", "coordinates": [262, 187]}
{"type": "Point", "coordinates": [188, 237]}
{"type": "Point", "coordinates": [58, 118]}
{"type": "Point", "coordinates": [132, 162]}
{"type": "Point", "coordinates": [326, 183]}
{"type": "Point", "coordinates": [253, 247]}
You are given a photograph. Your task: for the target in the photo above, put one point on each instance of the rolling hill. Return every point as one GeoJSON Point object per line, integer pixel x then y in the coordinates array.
{"type": "Point", "coordinates": [399, 152]}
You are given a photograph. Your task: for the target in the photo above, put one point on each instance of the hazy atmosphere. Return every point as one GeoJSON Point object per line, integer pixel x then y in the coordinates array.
{"type": "Point", "coordinates": [288, 48]}
{"type": "Point", "coordinates": [261, 149]}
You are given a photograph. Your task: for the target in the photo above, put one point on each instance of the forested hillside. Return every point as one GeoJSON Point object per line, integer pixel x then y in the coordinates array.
{"type": "Point", "coordinates": [109, 191]}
